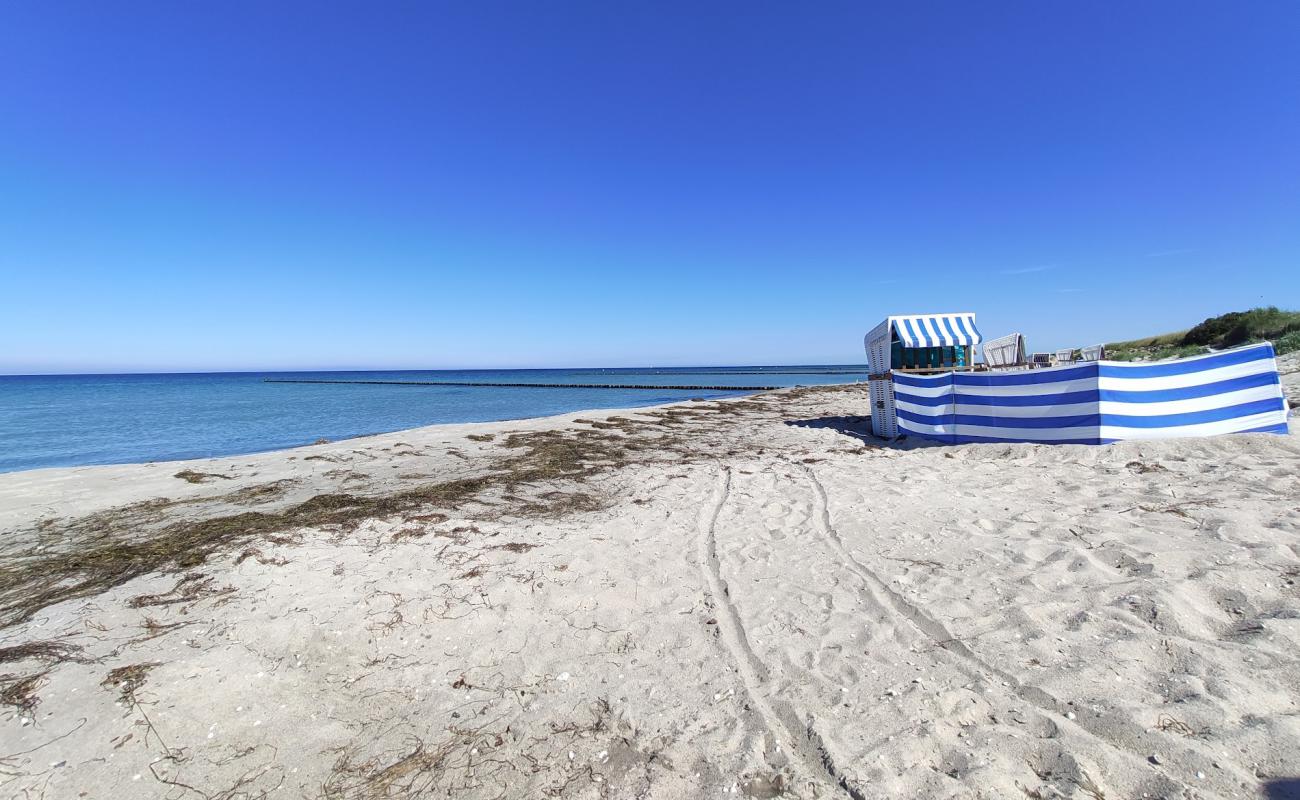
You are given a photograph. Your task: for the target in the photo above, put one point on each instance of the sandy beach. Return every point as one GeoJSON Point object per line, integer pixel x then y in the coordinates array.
{"type": "Point", "coordinates": [738, 598]}
{"type": "Point", "coordinates": [473, 401]}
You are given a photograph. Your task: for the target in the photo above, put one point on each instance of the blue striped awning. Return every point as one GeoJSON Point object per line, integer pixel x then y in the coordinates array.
{"type": "Point", "coordinates": [936, 330]}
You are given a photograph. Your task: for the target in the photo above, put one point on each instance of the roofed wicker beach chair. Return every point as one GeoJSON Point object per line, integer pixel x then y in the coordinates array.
{"type": "Point", "coordinates": [1065, 356]}
{"type": "Point", "coordinates": [1095, 353]}
{"type": "Point", "coordinates": [1005, 351]}
{"type": "Point", "coordinates": [1039, 360]}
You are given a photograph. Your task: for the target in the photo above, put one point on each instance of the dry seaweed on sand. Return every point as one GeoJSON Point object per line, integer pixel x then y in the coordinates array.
{"type": "Point", "coordinates": [128, 679]}
{"type": "Point", "coordinates": [467, 759]}
{"type": "Point", "coordinates": [260, 493]}
{"type": "Point", "coordinates": [515, 547]}
{"type": "Point", "coordinates": [190, 588]}
{"type": "Point", "coordinates": [257, 555]}
{"type": "Point", "coordinates": [190, 476]}
{"type": "Point", "coordinates": [111, 551]}
{"type": "Point", "coordinates": [87, 556]}
{"type": "Point", "coordinates": [47, 651]}
{"type": "Point", "coordinates": [34, 583]}
{"type": "Point", "coordinates": [1170, 724]}
{"type": "Point", "coordinates": [554, 455]}
{"type": "Point", "coordinates": [1143, 467]}
{"type": "Point", "coordinates": [19, 691]}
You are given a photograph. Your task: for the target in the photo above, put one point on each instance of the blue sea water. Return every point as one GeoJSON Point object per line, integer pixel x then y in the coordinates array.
{"type": "Point", "coordinates": [73, 420]}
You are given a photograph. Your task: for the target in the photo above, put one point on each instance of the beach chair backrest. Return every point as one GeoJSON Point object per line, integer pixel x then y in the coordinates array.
{"type": "Point", "coordinates": [1005, 351]}
{"type": "Point", "coordinates": [1095, 353]}
{"type": "Point", "coordinates": [1041, 359]}
{"type": "Point", "coordinates": [1065, 356]}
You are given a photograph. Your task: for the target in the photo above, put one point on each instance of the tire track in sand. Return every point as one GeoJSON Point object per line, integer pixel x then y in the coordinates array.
{"type": "Point", "coordinates": [801, 738]}
{"type": "Point", "coordinates": [887, 598]}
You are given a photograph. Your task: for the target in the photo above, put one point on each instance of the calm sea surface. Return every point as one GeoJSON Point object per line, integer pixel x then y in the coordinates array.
{"type": "Point", "coordinates": [71, 420]}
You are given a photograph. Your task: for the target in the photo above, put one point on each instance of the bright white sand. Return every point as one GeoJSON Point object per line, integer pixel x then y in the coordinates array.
{"type": "Point", "coordinates": [738, 606]}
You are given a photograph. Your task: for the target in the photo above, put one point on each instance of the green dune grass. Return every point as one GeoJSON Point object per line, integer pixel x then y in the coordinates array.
{"type": "Point", "coordinates": [1265, 324]}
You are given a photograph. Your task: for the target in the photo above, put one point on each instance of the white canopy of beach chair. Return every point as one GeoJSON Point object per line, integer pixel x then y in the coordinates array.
{"type": "Point", "coordinates": [1065, 356]}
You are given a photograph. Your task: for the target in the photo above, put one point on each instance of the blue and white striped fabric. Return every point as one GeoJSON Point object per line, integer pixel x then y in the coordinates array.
{"type": "Point", "coordinates": [936, 330]}
{"type": "Point", "coordinates": [1235, 391]}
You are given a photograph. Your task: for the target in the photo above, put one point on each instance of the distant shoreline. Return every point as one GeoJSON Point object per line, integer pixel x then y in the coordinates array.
{"type": "Point", "coordinates": [68, 421]}
{"type": "Point", "coordinates": [740, 369]}
{"type": "Point", "coordinates": [451, 427]}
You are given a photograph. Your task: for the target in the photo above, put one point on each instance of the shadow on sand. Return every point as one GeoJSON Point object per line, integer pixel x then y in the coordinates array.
{"type": "Point", "coordinates": [860, 428]}
{"type": "Point", "coordinates": [1282, 789]}
{"type": "Point", "coordinates": [857, 427]}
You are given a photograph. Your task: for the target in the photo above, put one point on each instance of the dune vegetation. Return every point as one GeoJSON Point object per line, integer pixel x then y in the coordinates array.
{"type": "Point", "coordinates": [1265, 324]}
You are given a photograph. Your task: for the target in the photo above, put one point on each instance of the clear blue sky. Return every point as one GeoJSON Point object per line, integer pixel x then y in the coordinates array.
{"type": "Point", "coordinates": [244, 185]}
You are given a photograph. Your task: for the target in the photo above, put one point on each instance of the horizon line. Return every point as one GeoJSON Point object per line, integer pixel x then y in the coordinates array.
{"type": "Point", "coordinates": [128, 373]}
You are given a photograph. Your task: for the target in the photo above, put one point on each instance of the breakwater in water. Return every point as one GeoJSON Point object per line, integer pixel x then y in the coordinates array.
{"type": "Point", "coordinates": [73, 420]}
{"type": "Point", "coordinates": [646, 386]}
